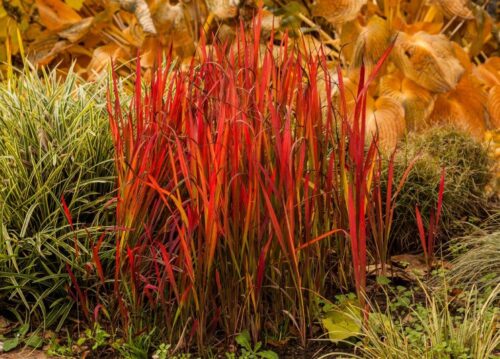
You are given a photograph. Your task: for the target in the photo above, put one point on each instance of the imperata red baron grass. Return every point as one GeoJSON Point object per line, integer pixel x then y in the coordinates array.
{"type": "Point", "coordinates": [238, 181]}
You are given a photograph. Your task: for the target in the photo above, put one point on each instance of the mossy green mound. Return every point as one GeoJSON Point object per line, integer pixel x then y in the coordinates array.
{"type": "Point", "coordinates": [468, 172]}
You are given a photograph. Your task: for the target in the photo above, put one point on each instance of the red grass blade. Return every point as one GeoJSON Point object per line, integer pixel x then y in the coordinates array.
{"type": "Point", "coordinates": [421, 231]}
{"type": "Point", "coordinates": [95, 257]}
{"type": "Point", "coordinates": [67, 214]}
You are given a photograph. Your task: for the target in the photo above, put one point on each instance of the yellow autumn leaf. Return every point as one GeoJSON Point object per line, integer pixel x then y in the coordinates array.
{"type": "Point", "coordinates": [103, 56]}
{"type": "Point", "coordinates": [428, 60]}
{"type": "Point", "coordinates": [75, 4]}
{"type": "Point", "coordinates": [373, 40]}
{"type": "Point", "coordinates": [489, 72]}
{"type": "Point", "coordinates": [3, 13]}
{"type": "Point", "coordinates": [464, 107]}
{"type": "Point", "coordinates": [387, 121]}
{"type": "Point", "coordinates": [338, 11]}
{"type": "Point", "coordinates": [458, 8]}
{"type": "Point", "coordinates": [418, 102]}
{"type": "Point", "coordinates": [494, 106]}
{"type": "Point", "coordinates": [55, 14]}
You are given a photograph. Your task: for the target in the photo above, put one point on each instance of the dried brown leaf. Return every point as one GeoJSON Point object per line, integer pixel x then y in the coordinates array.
{"type": "Point", "coordinates": [43, 51]}
{"type": "Point", "coordinates": [414, 265]}
{"type": "Point", "coordinates": [77, 31]}
{"type": "Point", "coordinates": [173, 28]}
{"type": "Point", "coordinates": [141, 11]}
{"type": "Point", "coordinates": [223, 9]}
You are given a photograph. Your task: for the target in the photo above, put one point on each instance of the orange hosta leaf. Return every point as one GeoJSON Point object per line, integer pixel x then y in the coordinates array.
{"type": "Point", "coordinates": [149, 52]}
{"type": "Point", "coordinates": [133, 35]}
{"type": "Point", "coordinates": [418, 102]}
{"type": "Point", "coordinates": [432, 28]}
{"type": "Point", "coordinates": [32, 32]}
{"type": "Point", "coordinates": [478, 32]}
{"type": "Point", "coordinates": [465, 107]}
{"type": "Point", "coordinates": [349, 34]}
{"type": "Point", "coordinates": [411, 9]}
{"type": "Point", "coordinates": [458, 8]}
{"type": "Point", "coordinates": [269, 22]}
{"type": "Point", "coordinates": [428, 60]}
{"type": "Point", "coordinates": [102, 57]}
{"type": "Point", "coordinates": [56, 14]}
{"type": "Point", "coordinates": [489, 72]}
{"type": "Point", "coordinates": [463, 57]}
{"type": "Point", "coordinates": [373, 40]}
{"type": "Point", "coordinates": [310, 45]}
{"type": "Point", "coordinates": [226, 34]}
{"type": "Point", "coordinates": [494, 106]}
{"type": "Point", "coordinates": [388, 121]}
{"type": "Point", "coordinates": [75, 4]}
{"type": "Point", "coordinates": [49, 45]}
{"type": "Point", "coordinates": [8, 32]}
{"type": "Point", "coordinates": [350, 88]}
{"type": "Point", "coordinates": [338, 11]}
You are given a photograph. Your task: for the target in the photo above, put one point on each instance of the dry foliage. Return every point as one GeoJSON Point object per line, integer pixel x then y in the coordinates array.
{"type": "Point", "coordinates": [444, 67]}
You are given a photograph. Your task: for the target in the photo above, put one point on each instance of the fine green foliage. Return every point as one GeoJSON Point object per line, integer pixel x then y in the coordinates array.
{"type": "Point", "coordinates": [439, 326]}
{"type": "Point", "coordinates": [479, 261]}
{"type": "Point", "coordinates": [55, 151]}
{"type": "Point", "coordinates": [468, 171]}
{"type": "Point", "coordinates": [442, 328]}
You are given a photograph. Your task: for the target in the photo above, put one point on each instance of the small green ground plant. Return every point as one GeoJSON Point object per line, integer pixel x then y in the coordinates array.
{"type": "Point", "coordinates": [443, 327]}
{"type": "Point", "coordinates": [249, 351]}
{"type": "Point", "coordinates": [428, 322]}
{"type": "Point", "coordinates": [20, 338]}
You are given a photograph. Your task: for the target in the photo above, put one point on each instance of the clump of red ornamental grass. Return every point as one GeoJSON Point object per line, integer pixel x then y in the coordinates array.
{"type": "Point", "coordinates": [238, 181]}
